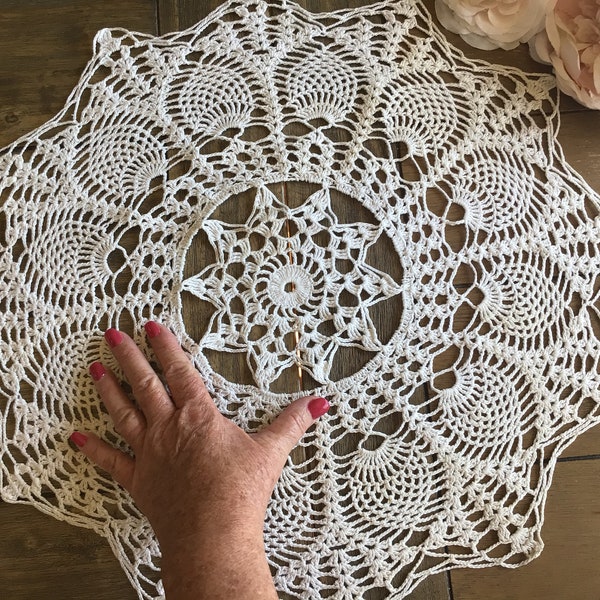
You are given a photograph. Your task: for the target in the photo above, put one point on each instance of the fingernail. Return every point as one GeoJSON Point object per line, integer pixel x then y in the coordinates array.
{"type": "Point", "coordinates": [97, 371]}
{"type": "Point", "coordinates": [152, 329]}
{"type": "Point", "coordinates": [78, 439]}
{"type": "Point", "coordinates": [318, 407]}
{"type": "Point", "coordinates": [113, 337]}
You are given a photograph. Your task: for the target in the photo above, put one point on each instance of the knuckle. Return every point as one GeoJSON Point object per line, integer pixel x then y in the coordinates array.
{"type": "Point", "coordinates": [298, 424]}
{"type": "Point", "coordinates": [177, 370]}
{"type": "Point", "coordinates": [148, 386]}
{"type": "Point", "coordinates": [110, 463]}
{"type": "Point", "coordinates": [126, 420]}
{"type": "Point", "coordinates": [180, 375]}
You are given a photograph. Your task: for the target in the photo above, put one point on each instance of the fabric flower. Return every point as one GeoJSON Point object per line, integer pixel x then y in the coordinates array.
{"type": "Point", "coordinates": [571, 44]}
{"type": "Point", "coordinates": [490, 24]}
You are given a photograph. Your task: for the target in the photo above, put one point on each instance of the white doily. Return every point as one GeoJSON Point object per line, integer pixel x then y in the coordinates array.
{"type": "Point", "coordinates": [366, 109]}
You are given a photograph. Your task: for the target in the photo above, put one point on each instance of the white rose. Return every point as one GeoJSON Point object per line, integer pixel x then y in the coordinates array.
{"type": "Point", "coordinates": [489, 24]}
{"type": "Point", "coordinates": [571, 44]}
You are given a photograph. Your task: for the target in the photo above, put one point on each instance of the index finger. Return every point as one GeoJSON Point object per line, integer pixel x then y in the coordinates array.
{"type": "Point", "coordinates": [183, 379]}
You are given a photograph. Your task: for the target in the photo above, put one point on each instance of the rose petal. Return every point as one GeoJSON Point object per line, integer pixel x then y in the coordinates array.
{"type": "Point", "coordinates": [504, 23]}
{"type": "Point", "coordinates": [573, 32]}
{"type": "Point", "coordinates": [596, 75]}
{"type": "Point", "coordinates": [570, 55]}
{"type": "Point", "coordinates": [552, 32]}
{"type": "Point", "coordinates": [449, 19]}
{"type": "Point", "coordinates": [589, 55]}
{"type": "Point", "coordinates": [539, 48]}
{"type": "Point", "coordinates": [585, 30]}
{"type": "Point", "coordinates": [465, 10]}
{"type": "Point", "coordinates": [565, 83]}
{"type": "Point", "coordinates": [508, 8]}
{"type": "Point", "coordinates": [485, 43]}
{"type": "Point", "coordinates": [499, 21]}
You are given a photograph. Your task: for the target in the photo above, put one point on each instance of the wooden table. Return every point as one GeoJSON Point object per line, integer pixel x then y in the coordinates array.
{"type": "Point", "coordinates": [44, 45]}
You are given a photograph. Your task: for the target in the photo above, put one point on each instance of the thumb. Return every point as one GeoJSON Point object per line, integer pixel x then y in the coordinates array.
{"type": "Point", "coordinates": [289, 427]}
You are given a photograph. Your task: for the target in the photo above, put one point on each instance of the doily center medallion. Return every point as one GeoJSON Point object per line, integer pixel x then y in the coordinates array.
{"type": "Point", "coordinates": [292, 278]}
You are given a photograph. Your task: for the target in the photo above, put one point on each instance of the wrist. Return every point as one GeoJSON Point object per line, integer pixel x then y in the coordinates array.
{"type": "Point", "coordinates": [224, 559]}
{"type": "Point", "coordinates": [201, 530]}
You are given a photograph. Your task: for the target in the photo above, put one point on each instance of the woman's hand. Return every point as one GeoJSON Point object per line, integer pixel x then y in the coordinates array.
{"type": "Point", "coordinates": [203, 483]}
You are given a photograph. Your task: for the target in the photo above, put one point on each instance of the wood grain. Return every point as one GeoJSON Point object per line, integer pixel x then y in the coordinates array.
{"type": "Point", "coordinates": [175, 15]}
{"type": "Point", "coordinates": [579, 136]}
{"type": "Point", "coordinates": [44, 45]}
{"type": "Point", "coordinates": [41, 557]}
{"type": "Point", "coordinates": [568, 567]}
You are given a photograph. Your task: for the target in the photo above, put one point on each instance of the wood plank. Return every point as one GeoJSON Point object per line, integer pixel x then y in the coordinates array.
{"type": "Point", "coordinates": [587, 444]}
{"type": "Point", "coordinates": [175, 15]}
{"type": "Point", "coordinates": [44, 46]}
{"type": "Point", "coordinates": [385, 315]}
{"type": "Point", "coordinates": [435, 587]}
{"type": "Point", "coordinates": [41, 557]}
{"type": "Point", "coordinates": [568, 567]}
{"type": "Point", "coordinates": [579, 136]}
{"type": "Point", "coordinates": [178, 15]}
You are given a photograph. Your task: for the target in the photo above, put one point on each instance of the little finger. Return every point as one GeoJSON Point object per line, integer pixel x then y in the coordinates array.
{"type": "Point", "coordinates": [118, 464]}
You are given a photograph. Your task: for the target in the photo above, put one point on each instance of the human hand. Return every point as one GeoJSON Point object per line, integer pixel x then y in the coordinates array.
{"type": "Point", "coordinates": [203, 483]}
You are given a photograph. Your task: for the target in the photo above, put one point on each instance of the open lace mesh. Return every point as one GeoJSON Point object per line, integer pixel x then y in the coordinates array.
{"type": "Point", "coordinates": [217, 167]}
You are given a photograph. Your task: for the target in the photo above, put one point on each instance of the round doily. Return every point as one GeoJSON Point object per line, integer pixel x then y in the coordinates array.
{"type": "Point", "coordinates": [242, 145]}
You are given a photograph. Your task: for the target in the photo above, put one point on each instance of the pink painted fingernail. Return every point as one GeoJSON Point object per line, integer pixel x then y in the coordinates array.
{"type": "Point", "coordinates": [113, 337]}
{"type": "Point", "coordinates": [78, 439]}
{"type": "Point", "coordinates": [318, 407]}
{"type": "Point", "coordinates": [152, 329]}
{"type": "Point", "coordinates": [97, 371]}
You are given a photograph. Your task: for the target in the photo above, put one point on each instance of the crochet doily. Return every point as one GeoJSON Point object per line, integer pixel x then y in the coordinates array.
{"type": "Point", "coordinates": [419, 467]}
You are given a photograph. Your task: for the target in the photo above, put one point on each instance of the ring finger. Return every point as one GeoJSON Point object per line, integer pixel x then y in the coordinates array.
{"type": "Point", "coordinates": [127, 418]}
